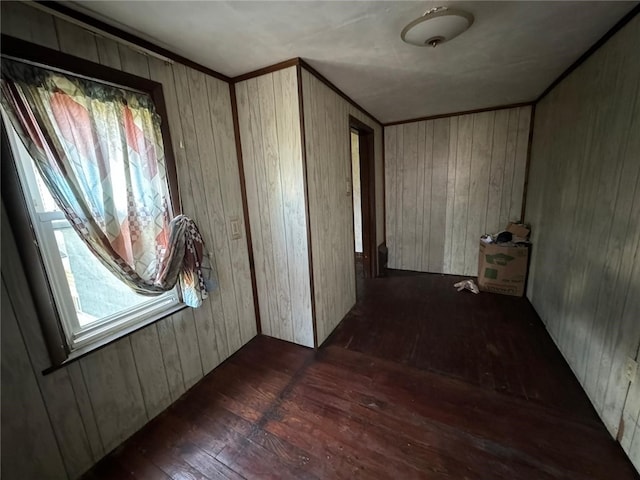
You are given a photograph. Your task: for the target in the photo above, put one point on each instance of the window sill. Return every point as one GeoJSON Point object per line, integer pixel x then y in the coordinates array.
{"type": "Point", "coordinates": [103, 342]}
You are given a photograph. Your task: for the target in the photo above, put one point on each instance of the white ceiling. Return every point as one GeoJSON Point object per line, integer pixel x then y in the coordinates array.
{"type": "Point", "coordinates": [511, 53]}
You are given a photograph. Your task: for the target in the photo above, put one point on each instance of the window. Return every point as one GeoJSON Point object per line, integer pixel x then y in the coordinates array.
{"type": "Point", "coordinates": [81, 304]}
{"type": "Point", "coordinates": [92, 303]}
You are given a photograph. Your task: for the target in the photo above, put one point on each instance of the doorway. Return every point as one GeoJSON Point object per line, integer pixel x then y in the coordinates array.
{"type": "Point", "coordinates": [363, 189]}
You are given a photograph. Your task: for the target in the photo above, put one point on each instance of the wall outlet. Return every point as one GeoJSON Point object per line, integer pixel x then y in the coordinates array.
{"type": "Point", "coordinates": [630, 369]}
{"type": "Point", "coordinates": [236, 228]}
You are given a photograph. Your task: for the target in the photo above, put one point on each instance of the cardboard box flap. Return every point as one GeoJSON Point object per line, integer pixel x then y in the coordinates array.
{"type": "Point", "coordinates": [518, 229]}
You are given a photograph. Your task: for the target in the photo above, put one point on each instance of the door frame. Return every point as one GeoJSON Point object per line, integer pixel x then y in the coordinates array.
{"type": "Point", "coordinates": [367, 193]}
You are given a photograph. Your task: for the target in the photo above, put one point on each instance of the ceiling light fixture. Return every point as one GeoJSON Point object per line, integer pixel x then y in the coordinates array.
{"type": "Point", "coordinates": [436, 26]}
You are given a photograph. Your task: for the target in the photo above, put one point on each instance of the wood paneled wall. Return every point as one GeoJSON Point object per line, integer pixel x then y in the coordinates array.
{"type": "Point", "coordinates": [269, 118]}
{"type": "Point", "coordinates": [378, 145]}
{"type": "Point", "coordinates": [584, 206]}
{"type": "Point", "coordinates": [356, 190]}
{"type": "Point", "coordinates": [450, 180]}
{"type": "Point", "coordinates": [58, 425]}
{"type": "Point", "coordinates": [328, 155]}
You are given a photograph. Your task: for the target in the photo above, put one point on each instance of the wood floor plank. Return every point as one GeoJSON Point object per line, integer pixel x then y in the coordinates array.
{"type": "Point", "coordinates": [108, 469]}
{"type": "Point", "coordinates": [491, 417]}
{"type": "Point", "coordinates": [335, 462]}
{"type": "Point", "coordinates": [418, 381]}
{"type": "Point", "coordinates": [178, 450]}
{"type": "Point", "coordinates": [253, 461]}
{"type": "Point", "coordinates": [432, 443]}
{"type": "Point", "coordinates": [138, 466]}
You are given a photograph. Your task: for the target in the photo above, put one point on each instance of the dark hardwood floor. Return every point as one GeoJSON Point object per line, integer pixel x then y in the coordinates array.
{"type": "Point", "coordinates": [418, 381]}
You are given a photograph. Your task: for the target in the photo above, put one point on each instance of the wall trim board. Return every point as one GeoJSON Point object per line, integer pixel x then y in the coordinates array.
{"type": "Point", "coordinates": [329, 84]}
{"type": "Point", "coordinates": [245, 205]}
{"type": "Point", "coordinates": [367, 189]}
{"type": "Point", "coordinates": [63, 10]}
{"type": "Point", "coordinates": [456, 114]}
{"type": "Point", "coordinates": [269, 125]}
{"type": "Point", "coordinates": [359, 125]}
{"type": "Point", "coordinates": [382, 252]}
{"type": "Point", "coordinates": [303, 144]}
{"type": "Point", "coordinates": [384, 193]}
{"type": "Point", "coordinates": [528, 164]}
{"type": "Point", "coordinates": [612, 31]}
{"type": "Point", "coordinates": [623, 21]}
{"type": "Point", "coordinates": [44, 56]}
{"type": "Point", "coordinates": [268, 69]}
{"type": "Point", "coordinates": [298, 61]}
{"type": "Point", "coordinates": [56, 7]}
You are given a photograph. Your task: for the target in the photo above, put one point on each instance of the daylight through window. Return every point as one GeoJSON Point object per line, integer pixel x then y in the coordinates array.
{"type": "Point", "coordinates": [93, 183]}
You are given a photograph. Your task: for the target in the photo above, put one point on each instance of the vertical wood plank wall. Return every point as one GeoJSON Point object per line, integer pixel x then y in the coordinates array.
{"type": "Point", "coordinates": [57, 426]}
{"type": "Point", "coordinates": [269, 119]}
{"type": "Point", "coordinates": [328, 155]}
{"type": "Point", "coordinates": [584, 206]}
{"type": "Point", "coordinates": [448, 181]}
{"type": "Point", "coordinates": [357, 191]}
{"type": "Point", "coordinates": [378, 145]}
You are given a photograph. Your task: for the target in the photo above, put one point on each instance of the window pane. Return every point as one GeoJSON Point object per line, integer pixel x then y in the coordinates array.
{"type": "Point", "coordinates": [96, 292]}
{"type": "Point", "coordinates": [45, 200]}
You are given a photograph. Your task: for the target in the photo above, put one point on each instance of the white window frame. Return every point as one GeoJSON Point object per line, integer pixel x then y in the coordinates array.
{"type": "Point", "coordinates": [80, 339]}
{"type": "Point", "coordinates": [50, 318]}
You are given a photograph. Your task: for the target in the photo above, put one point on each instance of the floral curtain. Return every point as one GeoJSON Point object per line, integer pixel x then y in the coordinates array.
{"type": "Point", "coordinates": [99, 150]}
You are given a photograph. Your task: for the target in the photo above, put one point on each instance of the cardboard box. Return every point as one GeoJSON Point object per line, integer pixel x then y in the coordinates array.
{"type": "Point", "coordinates": [518, 230]}
{"type": "Point", "coordinates": [502, 269]}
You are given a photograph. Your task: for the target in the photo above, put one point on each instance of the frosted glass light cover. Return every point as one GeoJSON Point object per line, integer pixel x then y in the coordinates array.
{"type": "Point", "coordinates": [438, 27]}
